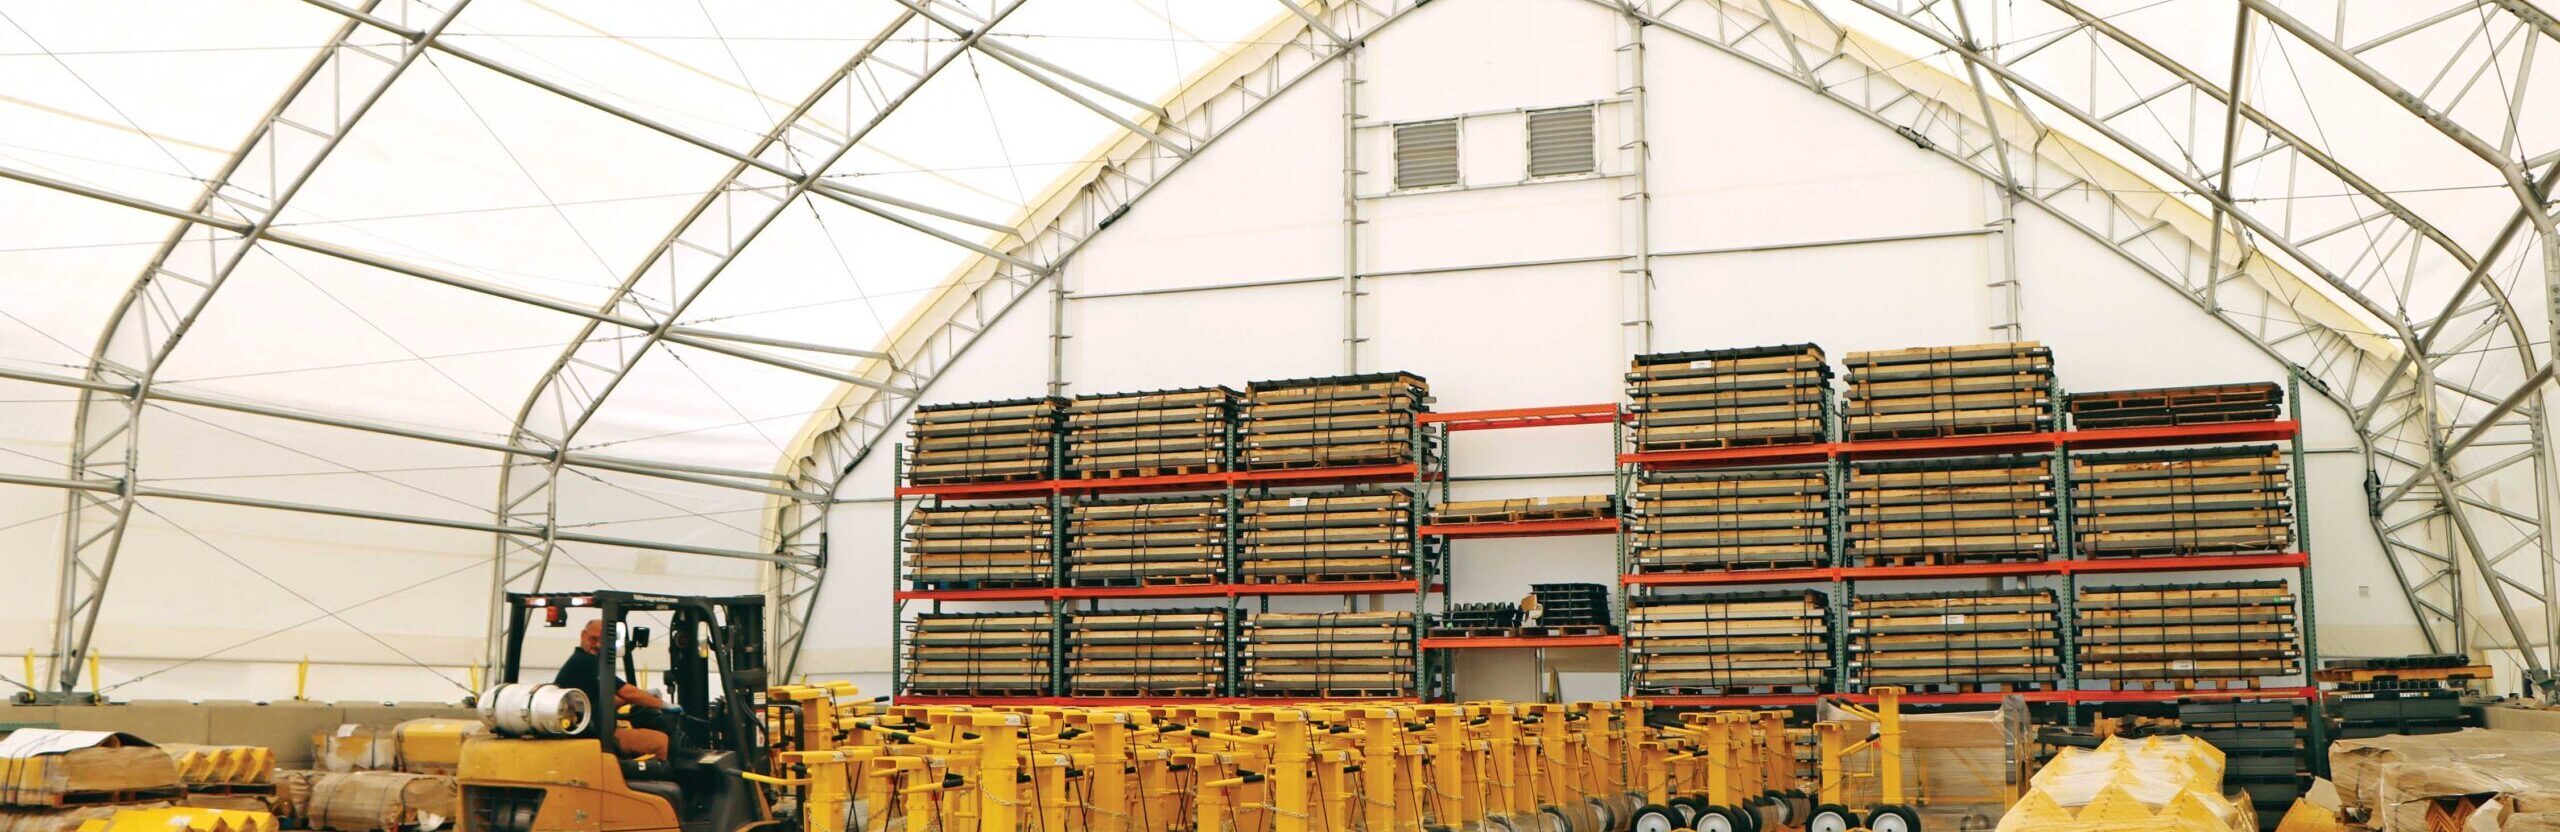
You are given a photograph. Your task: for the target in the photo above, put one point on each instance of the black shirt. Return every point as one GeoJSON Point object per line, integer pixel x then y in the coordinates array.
{"type": "Point", "coordinates": [580, 672]}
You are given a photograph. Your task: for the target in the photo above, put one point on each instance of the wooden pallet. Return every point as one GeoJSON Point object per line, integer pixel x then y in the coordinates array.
{"type": "Point", "coordinates": [2345, 675]}
{"type": "Point", "coordinates": [1520, 510]}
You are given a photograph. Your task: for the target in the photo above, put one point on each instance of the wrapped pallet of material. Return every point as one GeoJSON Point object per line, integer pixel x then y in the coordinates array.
{"type": "Point", "coordinates": [354, 747]}
{"type": "Point", "coordinates": [2156, 784]}
{"type": "Point", "coordinates": [226, 765]}
{"type": "Point", "coordinates": [293, 791]}
{"type": "Point", "coordinates": [381, 801]}
{"type": "Point", "coordinates": [1966, 764]}
{"type": "Point", "coordinates": [51, 767]}
{"type": "Point", "coordinates": [67, 818]}
{"type": "Point", "coordinates": [2414, 783]}
{"type": "Point", "coordinates": [434, 745]}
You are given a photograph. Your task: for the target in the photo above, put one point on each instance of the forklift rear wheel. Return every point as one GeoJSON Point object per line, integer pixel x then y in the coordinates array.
{"type": "Point", "coordinates": [1893, 819]}
{"type": "Point", "coordinates": [1655, 818]}
{"type": "Point", "coordinates": [1831, 817]}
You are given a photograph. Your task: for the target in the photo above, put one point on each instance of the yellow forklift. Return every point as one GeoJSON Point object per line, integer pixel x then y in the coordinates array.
{"type": "Point", "coordinates": [555, 765]}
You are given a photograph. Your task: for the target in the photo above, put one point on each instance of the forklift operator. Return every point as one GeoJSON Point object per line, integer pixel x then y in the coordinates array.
{"type": "Point", "coordinates": [580, 669]}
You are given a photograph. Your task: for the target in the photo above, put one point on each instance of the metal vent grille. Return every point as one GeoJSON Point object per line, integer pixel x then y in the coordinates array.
{"type": "Point", "coordinates": [1427, 154]}
{"type": "Point", "coordinates": [1560, 141]}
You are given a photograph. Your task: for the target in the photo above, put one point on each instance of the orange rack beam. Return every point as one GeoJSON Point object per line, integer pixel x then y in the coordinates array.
{"type": "Point", "coordinates": [1498, 642]}
{"type": "Point", "coordinates": [1523, 417]}
{"type": "Point", "coordinates": [1135, 701]}
{"type": "Point", "coordinates": [2106, 566]}
{"type": "Point", "coordinates": [1059, 593]}
{"type": "Point", "coordinates": [1526, 528]}
{"type": "Point", "coordinates": [1964, 445]}
{"type": "Point", "coordinates": [1175, 482]}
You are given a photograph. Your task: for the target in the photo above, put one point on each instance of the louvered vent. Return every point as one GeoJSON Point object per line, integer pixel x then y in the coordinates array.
{"type": "Point", "coordinates": [1427, 154]}
{"type": "Point", "coordinates": [1560, 141]}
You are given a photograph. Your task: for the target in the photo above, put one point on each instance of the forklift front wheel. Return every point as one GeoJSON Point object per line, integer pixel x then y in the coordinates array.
{"type": "Point", "coordinates": [1893, 819]}
{"type": "Point", "coordinates": [1831, 817]}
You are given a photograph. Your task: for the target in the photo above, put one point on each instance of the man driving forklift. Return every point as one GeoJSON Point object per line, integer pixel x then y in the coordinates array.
{"type": "Point", "coordinates": [631, 740]}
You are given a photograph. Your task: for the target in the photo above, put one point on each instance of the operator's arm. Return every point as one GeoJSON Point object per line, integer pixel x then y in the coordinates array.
{"type": "Point", "coordinates": [632, 695]}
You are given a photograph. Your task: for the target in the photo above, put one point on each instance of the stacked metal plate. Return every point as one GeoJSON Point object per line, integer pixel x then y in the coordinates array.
{"type": "Point", "coordinates": [980, 545]}
{"type": "Point", "coordinates": [1945, 511]}
{"type": "Point", "coordinates": [1949, 391]}
{"type": "Point", "coordinates": [979, 654]}
{"type": "Point", "coordinates": [2234, 633]}
{"type": "Point", "coordinates": [1720, 520]}
{"type": "Point", "coordinates": [1956, 641]}
{"type": "Point", "coordinates": [2171, 406]}
{"type": "Point", "coordinates": [1327, 536]}
{"type": "Point", "coordinates": [1170, 652]}
{"type": "Point", "coordinates": [1729, 398]}
{"type": "Point", "coordinates": [1745, 642]}
{"type": "Point", "coordinates": [2181, 501]}
{"type": "Point", "coordinates": [1164, 541]}
{"type": "Point", "coordinates": [983, 442]}
{"type": "Point", "coordinates": [1328, 655]}
{"type": "Point", "coordinates": [1335, 421]}
{"type": "Point", "coordinates": [1158, 433]}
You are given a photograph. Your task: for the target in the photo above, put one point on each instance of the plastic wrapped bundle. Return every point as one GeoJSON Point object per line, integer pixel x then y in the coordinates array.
{"type": "Point", "coordinates": [2158, 784]}
{"type": "Point", "coordinates": [380, 801]}
{"type": "Point", "coordinates": [48, 767]}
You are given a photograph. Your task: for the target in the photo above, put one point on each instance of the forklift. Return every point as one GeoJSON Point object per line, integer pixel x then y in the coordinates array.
{"type": "Point", "coordinates": [570, 776]}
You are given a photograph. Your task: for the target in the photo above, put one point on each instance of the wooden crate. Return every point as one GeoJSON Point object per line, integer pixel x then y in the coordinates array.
{"type": "Point", "coordinates": [1956, 641]}
{"type": "Point", "coordinates": [979, 654]}
{"type": "Point", "coordinates": [1728, 520]}
{"type": "Point", "coordinates": [983, 442]}
{"type": "Point", "coordinates": [1327, 654]}
{"type": "Point", "coordinates": [2182, 501]}
{"type": "Point", "coordinates": [1328, 422]}
{"type": "Point", "coordinates": [1970, 510]}
{"type": "Point", "coordinates": [1160, 652]}
{"type": "Point", "coordinates": [2227, 631]}
{"type": "Point", "coordinates": [979, 545]}
{"type": "Point", "coordinates": [1949, 391]}
{"type": "Point", "coordinates": [1147, 542]}
{"type": "Point", "coordinates": [1327, 537]}
{"type": "Point", "coordinates": [1729, 398]}
{"type": "Point", "coordinates": [1155, 433]}
{"type": "Point", "coordinates": [1732, 642]}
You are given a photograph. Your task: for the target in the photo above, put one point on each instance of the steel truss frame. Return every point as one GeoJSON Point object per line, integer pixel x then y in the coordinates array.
{"type": "Point", "coordinates": [2435, 441]}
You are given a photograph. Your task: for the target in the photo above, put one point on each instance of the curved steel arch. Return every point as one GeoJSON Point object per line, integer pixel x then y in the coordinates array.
{"type": "Point", "coordinates": [107, 426]}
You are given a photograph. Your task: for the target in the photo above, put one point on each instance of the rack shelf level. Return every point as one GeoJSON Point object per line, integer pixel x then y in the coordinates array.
{"type": "Point", "coordinates": [1341, 475]}
{"type": "Point", "coordinates": [2104, 566]}
{"type": "Point", "coordinates": [1190, 591]}
{"type": "Point", "coordinates": [1521, 643]}
{"type": "Point", "coordinates": [2262, 431]}
{"type": "Point", "coordinates": [2076, 697]}
{"type": "Point", "coordinates": [1525, 528]}
{"type": "Point", "coordinates": [1523, 417]}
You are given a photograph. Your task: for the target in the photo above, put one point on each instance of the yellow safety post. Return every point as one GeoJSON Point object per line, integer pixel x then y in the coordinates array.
{"type": "Point", "coordinates": [1458, 805]}
{"type": "Point", "coordinates": [94, 687]}
{"type": "Point", "coordinates": [302, 679]}
{"type": "Point", "coordinates": [1381, 757]}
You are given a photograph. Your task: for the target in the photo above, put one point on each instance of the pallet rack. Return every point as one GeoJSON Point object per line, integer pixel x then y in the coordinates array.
{"type": "Point", "coordinates": [1424, 463]}
{"type": "Point", "coordinates": [1843, 576]}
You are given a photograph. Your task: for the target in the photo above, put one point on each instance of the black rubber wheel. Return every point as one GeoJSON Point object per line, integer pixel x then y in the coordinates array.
{"type": "Point", "coordinates": [1603, 818]}
{"type": "Point", "coordinates": [1498, 823]}
{"type": "Point", "coordinates": [1551, 819]}
{"type": "Point", "coordinates": [1720, 819]}
{"type": "Point", "coordinates": [1831, 817]}
{"type": "Point", "coordinates": [1689, 807]}
{"type": "Point", "coordinates": [1655, 817]}
{"type": "Point", "coordinates": [1893, 819]}
{"type": "Point", "coordinates": [1768, 810]}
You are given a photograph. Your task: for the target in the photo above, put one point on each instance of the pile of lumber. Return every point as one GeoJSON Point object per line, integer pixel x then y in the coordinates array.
{"type": "Point", "coordinates": [2171, 406]}
{"type": "Point", "coordinates": [1721, 520]}
{"type": "Point", "coordinates": [981, 442]}
{"type": "Point", "coordinates": [1329, 654]}
{"type": "Point", "coordinates": [1336, 536]}
{"type": "Point", "coordinates": [1957, 642]}
{"type": "Point", "coordinates": [2407, 695]}
{"type": "Point", "coordinates": [2181, 501]}
{"type": "Point", "coordinates": [1949, 391]}
{"type": "Point", "coordinates": [1169, 652]}
{"type": "Point", "coordinates": [1334, 421]}
{"type": "Point", "coordinates": [2232, 633]}
{"type": "Point", "coordinates": [980, 545]}
{"type": "Point", "coordinates": [1729, 398]}
{"type": "Point", "coordinates": [1947, 511]}
{"type": "Point", "coordinates": [1176, 541]}
{"type": "Point", "coordinates": [979, 654]}
{"type": "Point", "coordinates": [1524, 510]}
{"type": "Point", "coordinates": [1157, 433]}
{"type": "Point", "coordinates": [1726, 643]}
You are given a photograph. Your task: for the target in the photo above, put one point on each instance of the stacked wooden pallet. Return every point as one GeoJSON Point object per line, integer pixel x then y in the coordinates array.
{"type": "Point", "coordinates": [2181, 501]}
{"type": "Point", "coordinates": [1568, 609]}
{"type": "Point", "coordinates": [1949, 391]}
{"type": "Point", "coordinates": [1729, 398]}
{"type": "Point", "coordinates": [1956, 641]}
{"type": "Point", "coordinates": [980, 545]}
{"type": "Point", "coordinates": [978, 442]}
{"type": "Point", "coordinates": [1330, 654]}
{"type": "Point", "coordinates": [979, 654]}
{"type": "Point", "coordinates": [1175, 541]}
{"type": "Point", "coordinates": [1751, 642]}
{"type": "Point", "coordinates": [1946, 511]}
{"type": "Point", "coordinates": [1172, 652]}
{"type": "Point", "coordinates": [1485, 619]}
{"type": "Point", "coordinates": [1524, 510]}
{"type": "Point", "coordinates": [1333, 421]}
{"type": "Point", "coordinates": [1339, 536]}
{"type": "Point", "coordinates": [2170, 406]}
{"type": "Point", "coordinates": [1719, 520]}
{"type": "Point", "coordinates": [1156, 433]}
{"type": "Point", "coordinates": [2232, 633]}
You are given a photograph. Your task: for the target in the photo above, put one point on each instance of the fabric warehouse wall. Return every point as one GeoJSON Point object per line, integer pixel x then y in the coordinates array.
{"type": "Point", "coordinates": [1507, 293]}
